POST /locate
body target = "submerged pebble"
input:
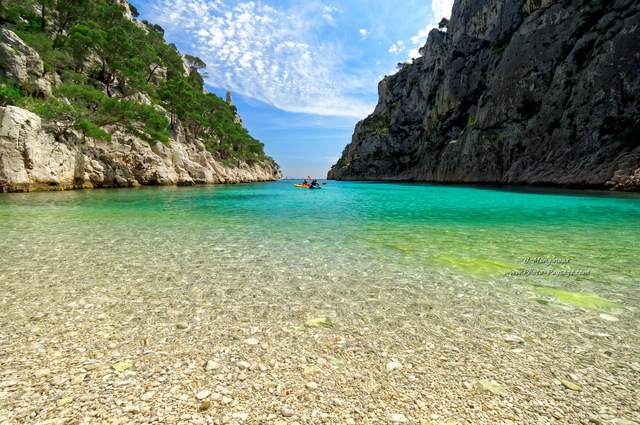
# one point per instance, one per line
(203, 394)
(198, 319)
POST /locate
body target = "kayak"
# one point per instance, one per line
(300, 185)
(315, 187)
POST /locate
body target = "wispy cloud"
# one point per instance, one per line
(397, 47)
(329, 12)
(273, 55)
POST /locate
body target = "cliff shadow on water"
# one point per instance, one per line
(535, 92)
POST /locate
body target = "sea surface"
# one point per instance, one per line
(391, 298)
(348, 238)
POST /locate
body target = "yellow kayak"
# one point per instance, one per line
(300, 185)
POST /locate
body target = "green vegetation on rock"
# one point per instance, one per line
(112, 72)
(10, 93)
(377, 124)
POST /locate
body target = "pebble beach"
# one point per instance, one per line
(187, 354)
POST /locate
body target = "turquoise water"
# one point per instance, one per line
(289, 236)
(333, 286)
(349, 237)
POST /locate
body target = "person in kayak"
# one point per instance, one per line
(304, 181)
(314, 185)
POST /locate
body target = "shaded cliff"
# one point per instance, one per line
(90, 97)
(514, 92)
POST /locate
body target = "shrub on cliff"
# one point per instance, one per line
(104, 60)
(87, 110)
(10, 93)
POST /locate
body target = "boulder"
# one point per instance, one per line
(22, 65)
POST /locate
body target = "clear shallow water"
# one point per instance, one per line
(348, 238)
(432, 277)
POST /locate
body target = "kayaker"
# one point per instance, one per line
(314, 185)
(304, 181)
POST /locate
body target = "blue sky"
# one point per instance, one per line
(302, 73)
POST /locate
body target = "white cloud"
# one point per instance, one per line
(441, 9)
(397, 47)
(363, 34)
(275, 56)
(328, 14)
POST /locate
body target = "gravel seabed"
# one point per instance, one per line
(152, 351)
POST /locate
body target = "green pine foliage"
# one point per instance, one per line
(101, 59)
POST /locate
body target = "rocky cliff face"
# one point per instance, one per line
(31, 159)
(515, 92)
(20, 64)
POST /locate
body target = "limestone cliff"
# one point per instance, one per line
(32, 159)
(22, 65)
(36, 155)
(514, 92)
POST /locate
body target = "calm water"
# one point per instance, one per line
(433, 277)
(349, 238)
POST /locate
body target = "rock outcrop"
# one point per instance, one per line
(20, 64)
(515, 92)
(236, 117)
(31, 159)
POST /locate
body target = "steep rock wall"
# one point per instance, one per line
(515, 92)
(32, 159)
(22, 65)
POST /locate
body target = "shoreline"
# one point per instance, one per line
(57, 187)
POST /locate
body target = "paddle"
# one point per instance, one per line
(309, 177)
